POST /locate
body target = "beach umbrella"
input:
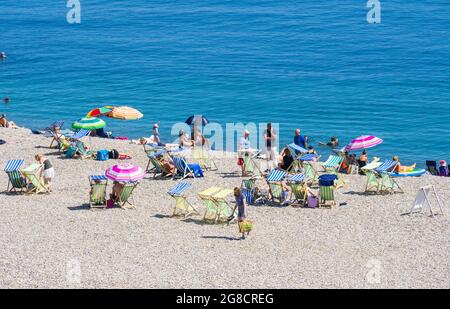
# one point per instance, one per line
(89, 124)
(124, 172)
(99, 111)
(196, 119)
(125, 113)
(363, 142)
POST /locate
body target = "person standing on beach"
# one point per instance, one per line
(243, 151)
(156, 136)
(49, 171)
(241, 206)
(269, 138)
(3, 56)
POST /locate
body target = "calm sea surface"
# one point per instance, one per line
(317, 65)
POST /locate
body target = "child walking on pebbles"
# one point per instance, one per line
(49, 171)
(241, 205)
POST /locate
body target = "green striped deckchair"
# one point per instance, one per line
(97, 194)
(32, 173)
(274, 180)
(202, 156)
(15, 178)
(224, 209)
(206, 196)
(327, 197)
(125, 198)
(372, 182)
(298, 193)
(251, 168)
(311, 175)
(332, 164)
(182, 206)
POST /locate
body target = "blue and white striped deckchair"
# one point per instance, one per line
(97, 194)
(274, 180)
(296, 152)
(387, 183)
(80, 134)
(297, 149)
(308, 157)
(296, 183)
(183, 169)
(15, 178)
(249, 195)
(332, 164)
(182, 206)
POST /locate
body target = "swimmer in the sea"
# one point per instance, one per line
(3, 56)
(6, 100)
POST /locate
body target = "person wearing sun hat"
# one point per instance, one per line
(443, 168)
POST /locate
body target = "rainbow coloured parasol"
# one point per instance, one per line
(125, 173)
(363, 142)
(99, 111)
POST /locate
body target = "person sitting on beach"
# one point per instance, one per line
(168, 167)
(198, 139)
(241, 205)
(116, 190)
(183, 139)
(5, 123)
(402, 168)
(363, 159)
(49, 171)
(286, 160)
(300, 140)
(443, 168)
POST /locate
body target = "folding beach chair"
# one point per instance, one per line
(248, 188)
(79, 134)
(15, 178)
(327, 198)
(332, 164)
(296, 152)
(151, 152)
(251, 168)
(183, 169)
(33, 176)
(203, 157)
(84, 153)
(388, 183)
(206, 196)
(97, 194)
(224, 209)
(274, 180)
(298, 193)
(182, 206)
(155, 165)
(432, 167)
(51, 130)
(125, 198)
(311, 175)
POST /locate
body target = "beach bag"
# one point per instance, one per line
(312, 201)
(109, 203)
(245, 226)
(114, 154)
(102, 155)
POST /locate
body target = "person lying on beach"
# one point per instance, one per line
(49, 171)
(241, 205)
(116, 190)
(5, 123)
(402, 168)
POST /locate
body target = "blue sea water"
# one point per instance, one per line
(317, 65)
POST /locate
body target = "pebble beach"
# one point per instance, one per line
(55, 241)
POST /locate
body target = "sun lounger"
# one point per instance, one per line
(97, 194)
(274, 180)
(16, 180)
(297, 184)
(388, 183)
(251, 167)
(182, 206)
(333, 163)
(224, 209)
(296, 152)
(327, 198)
(33, 176)
(183, 169)
(311, 175)
(125, 198)
(206, 196)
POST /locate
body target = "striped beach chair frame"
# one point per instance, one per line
(203, 157)
(16, 180)
(332, 164)
(97, 194)
(298, 195)
(387, 183)
(182, 169)
(327, 197)
(297, 152)
(206, 196)
(33, 176)
(125, 198)
(274, 180)
(182, 207)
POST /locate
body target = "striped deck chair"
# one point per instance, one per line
(298, 193)
(80, 134)
(388, 183)
(51, 130)
(372, 181)
(85, 154)
(249, 190)
(206, 196)
(182, 206)
(203, 157)
(327, 197)
(33, 174)
(332, 164)
(183, 169)
(311, 175)
(274, 180)
(224, 209)
(125, 199)
(155, 165)
(97, 194)
(15, 178)
(251, 167)
(150, 152)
